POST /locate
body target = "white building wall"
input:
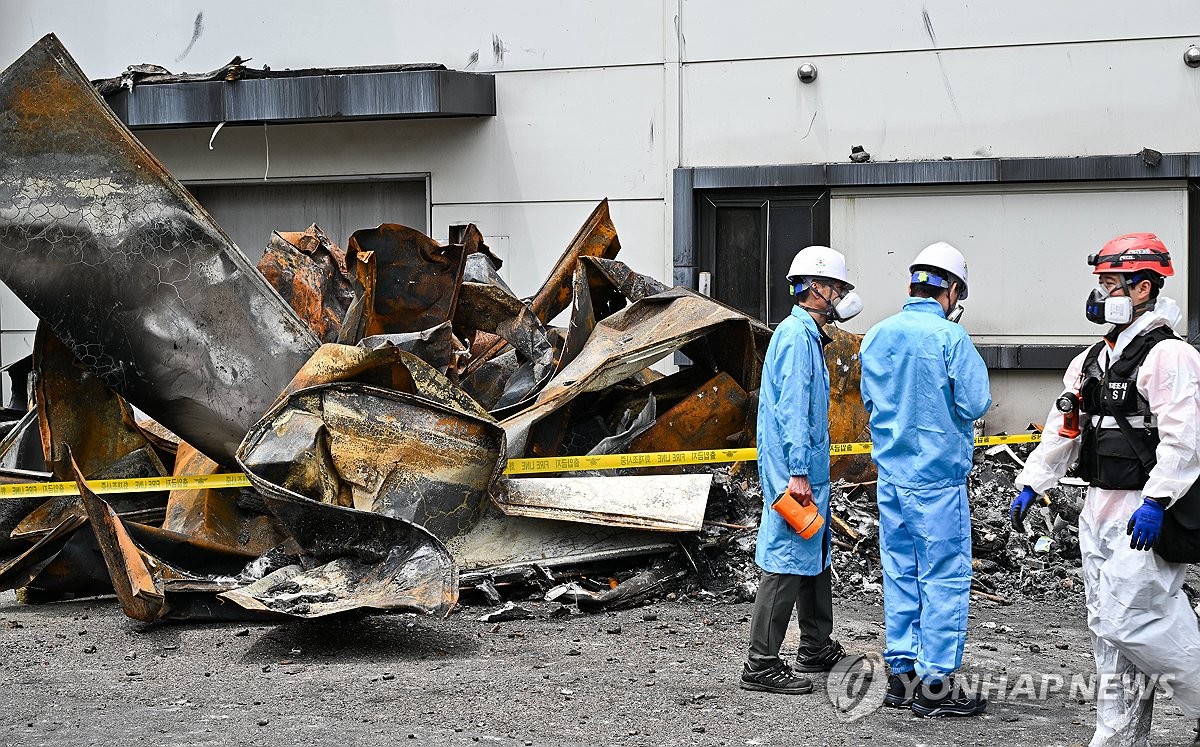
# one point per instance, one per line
(605, 98)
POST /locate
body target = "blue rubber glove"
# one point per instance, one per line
(1145, 525)
(1020, 506)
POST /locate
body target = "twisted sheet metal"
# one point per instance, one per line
(127, 269)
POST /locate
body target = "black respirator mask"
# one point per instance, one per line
(1104, 308)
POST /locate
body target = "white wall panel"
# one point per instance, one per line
(722, 30)
(13, 347)
(15, 315)
(535, 235)
(1068, 100)
(1026, 250)
(1020, 398)
(105, 37)
(562, 135)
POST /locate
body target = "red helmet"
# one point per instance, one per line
(1133, 252)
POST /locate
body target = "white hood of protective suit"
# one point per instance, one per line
(1165, 313)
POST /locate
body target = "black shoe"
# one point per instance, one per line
(901, 689)
(777, 679)
(821, 659)
(947, 698)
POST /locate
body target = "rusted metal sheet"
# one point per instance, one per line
(633, 338)
(214, 516)
(705, 419)
(668, 503)
(438, 346)
(371, 561)
(633, 286)
(385, 365)
(492, 309)
(597, 237)
(77, 410)
(377, 450)
(135, 583)
(848, 419)
(141, 463)
(600, 288)
(404, 281)
(309, 271)
(22, 569)
(127, 268)
(13, 510)
(334, 362)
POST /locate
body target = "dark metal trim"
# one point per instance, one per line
(406, 94)
(1193, 265)
(1029, 357)
(690, 180)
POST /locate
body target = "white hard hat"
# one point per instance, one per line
(819, 262)
(942, 256)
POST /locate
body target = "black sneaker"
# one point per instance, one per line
(777, 679)
(901, 689)
(947, 698)
(819, 660)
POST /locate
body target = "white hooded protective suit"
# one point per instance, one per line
(1138, 614)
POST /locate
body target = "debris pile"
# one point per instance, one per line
(372, 397)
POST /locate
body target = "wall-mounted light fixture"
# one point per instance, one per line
(1192, 56)
(807, 72)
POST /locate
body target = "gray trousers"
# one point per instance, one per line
(778, 594)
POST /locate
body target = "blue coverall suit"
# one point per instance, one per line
(924, 385)
(793, 439)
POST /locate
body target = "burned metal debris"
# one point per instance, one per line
(127, 269)
(375, 460)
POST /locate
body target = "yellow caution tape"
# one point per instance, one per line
(514, 467)
(702, 456)
(618, 461)
(131, 485)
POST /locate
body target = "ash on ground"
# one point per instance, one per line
(1041, 564)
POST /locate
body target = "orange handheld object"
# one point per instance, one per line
(806, 520)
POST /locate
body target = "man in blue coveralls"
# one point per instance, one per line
(793, 457)
(924, 385)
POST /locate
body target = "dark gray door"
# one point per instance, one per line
(250, 212)
(748, 239)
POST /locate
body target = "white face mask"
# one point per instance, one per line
(1105, 308)
(848, 307)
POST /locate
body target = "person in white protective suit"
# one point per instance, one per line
(1137, 442)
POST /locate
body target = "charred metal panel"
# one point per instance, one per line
(215, 515)
(705, 419)
(500, 541)
(127, 268)
(385, 451)
(78, 411)
(404, 282)
(309, 271)
(632, 339)
(669, 503)
(848, 418)
(597, 237)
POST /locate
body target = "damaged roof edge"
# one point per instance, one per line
(405, 94)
